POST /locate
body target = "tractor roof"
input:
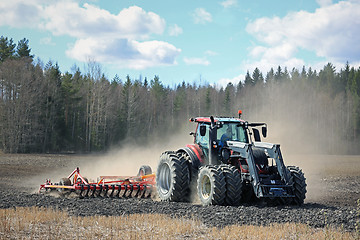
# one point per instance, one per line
(216, 119)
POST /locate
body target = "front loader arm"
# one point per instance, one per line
(274, 152)
(246, 152)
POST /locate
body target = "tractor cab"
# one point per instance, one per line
(212, 136)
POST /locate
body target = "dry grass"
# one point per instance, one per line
(41, 223)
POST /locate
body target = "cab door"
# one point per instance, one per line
(203, 141)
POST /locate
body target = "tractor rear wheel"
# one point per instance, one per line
(211, 185)
(234, 185)
(172, 178)
(299, 187)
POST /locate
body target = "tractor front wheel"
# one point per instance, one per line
(172, 178)
(299, 184)
(234, 185)
(211, 185)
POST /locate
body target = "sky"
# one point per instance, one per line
(201, 41)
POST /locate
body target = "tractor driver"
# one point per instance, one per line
(225, 137)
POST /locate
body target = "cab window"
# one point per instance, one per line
(233, 132)
(202, 140)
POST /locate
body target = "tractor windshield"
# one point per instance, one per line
(232, 132)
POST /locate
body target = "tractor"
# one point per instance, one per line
(228, 164)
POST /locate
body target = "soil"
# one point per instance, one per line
(333, 190)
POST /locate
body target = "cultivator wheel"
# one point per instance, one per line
(211, 185)
(64, 182)
(144, 170)
(299, 186)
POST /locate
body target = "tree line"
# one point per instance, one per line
(43, 109)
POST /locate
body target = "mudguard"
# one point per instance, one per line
(196, 155)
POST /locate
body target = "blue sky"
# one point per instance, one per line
(215, 41)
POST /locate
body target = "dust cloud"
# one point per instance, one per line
(303, 120)
(119, 161)
(311, 129)
(127, 160)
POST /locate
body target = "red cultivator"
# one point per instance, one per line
(107, 186)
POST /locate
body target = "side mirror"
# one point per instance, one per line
(202, 130)
(264, 131)
(192, 134)
(256, 135)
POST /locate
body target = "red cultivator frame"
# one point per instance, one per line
(108, 186)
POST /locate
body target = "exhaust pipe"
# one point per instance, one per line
(212, 142)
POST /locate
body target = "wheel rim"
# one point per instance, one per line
(61, 183)
(205, 187)
(165, 178)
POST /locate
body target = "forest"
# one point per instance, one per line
(46, 110)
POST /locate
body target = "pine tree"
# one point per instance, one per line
(278, 75)
(303, 74)
(257, 77)
(270, 76)
(248, 80)
(7, 48)
(22, 49)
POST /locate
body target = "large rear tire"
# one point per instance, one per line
(299, 185)
(234, 185)
(211, 186)
(172, 178)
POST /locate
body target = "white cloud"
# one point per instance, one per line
(223, 82)
(70, 19)
(257, 51)
(109, 38)
(324, 3)
(266, 64)
(125, 53)
(175, 30)
(211, 53)
(196, 61)
(229, 3)
(100, 35)
(18, 13)
(332, 32)
(200, 60)
(47, 41)
(201, 16)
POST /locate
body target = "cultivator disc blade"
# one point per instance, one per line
(116, 190)
(140, 186)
